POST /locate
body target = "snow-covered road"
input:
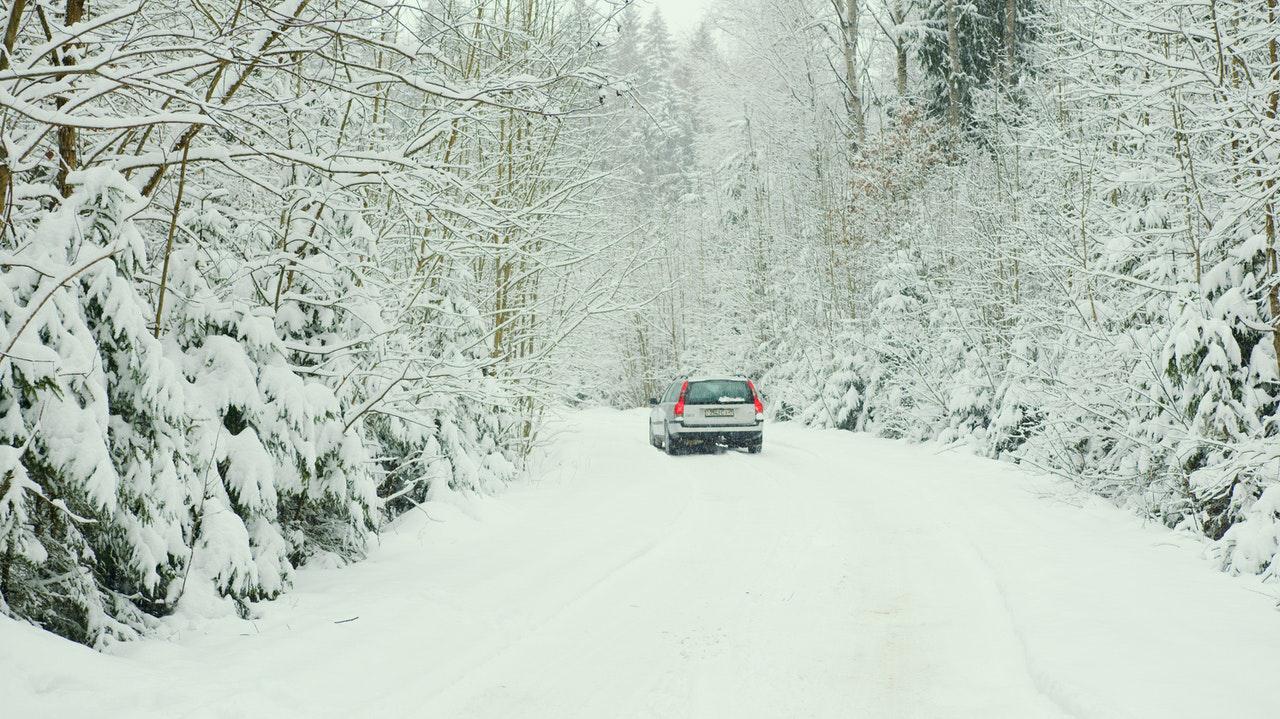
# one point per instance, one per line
(836, 575)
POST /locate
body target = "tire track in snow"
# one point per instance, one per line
(530, 632)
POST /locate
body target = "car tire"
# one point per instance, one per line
(670, 444)
(755, 447)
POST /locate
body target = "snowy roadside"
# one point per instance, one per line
(1116, 618)
(43, 675)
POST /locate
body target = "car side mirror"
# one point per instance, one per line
(653, 402)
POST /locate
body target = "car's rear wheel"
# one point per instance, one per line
(756, 447)
(670, 445)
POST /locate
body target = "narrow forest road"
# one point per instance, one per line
(835, 575)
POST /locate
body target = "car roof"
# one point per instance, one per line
(711, 377)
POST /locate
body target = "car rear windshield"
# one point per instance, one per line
(718, 391)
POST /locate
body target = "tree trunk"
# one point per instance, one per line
(11, 31)
(66, 134)
(1273, 112)
(10, 39)
(900, 47)
(953, 56)
(1010, 42)
(848, 10)
(168, 243)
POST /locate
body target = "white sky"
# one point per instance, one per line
(681, 15)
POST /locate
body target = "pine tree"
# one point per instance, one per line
(92, 521)
(983, 39)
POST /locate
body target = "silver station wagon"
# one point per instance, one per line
(705, 412)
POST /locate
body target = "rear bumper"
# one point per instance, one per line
(739, 435)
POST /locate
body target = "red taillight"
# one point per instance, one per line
(680, 402)
(755, 397)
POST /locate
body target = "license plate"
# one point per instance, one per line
(719, 413)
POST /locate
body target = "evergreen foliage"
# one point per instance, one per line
(271, 276)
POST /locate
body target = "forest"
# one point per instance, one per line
(273, 274)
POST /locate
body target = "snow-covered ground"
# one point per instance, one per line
(836, 575)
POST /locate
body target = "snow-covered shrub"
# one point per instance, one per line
(272, 443)
(449, 425)
(93, 517)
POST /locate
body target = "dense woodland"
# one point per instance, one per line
(274, 274)
(1043, 230)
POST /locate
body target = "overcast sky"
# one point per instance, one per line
(681, 15)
